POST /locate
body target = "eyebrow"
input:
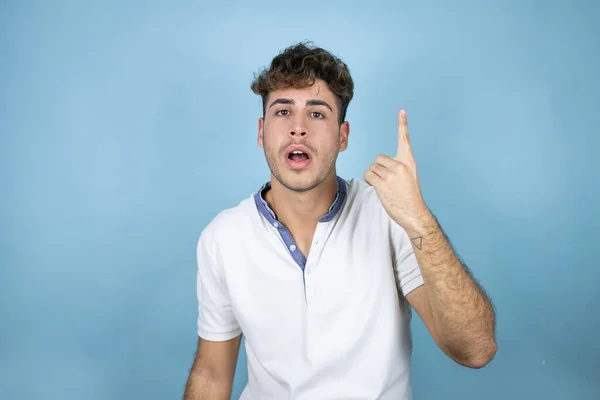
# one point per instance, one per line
(312, 102)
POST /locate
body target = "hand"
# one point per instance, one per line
(396, 182)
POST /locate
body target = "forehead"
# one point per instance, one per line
(318, 90)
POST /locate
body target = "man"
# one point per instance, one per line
(319, 273)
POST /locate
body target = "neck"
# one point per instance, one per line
(302, 209)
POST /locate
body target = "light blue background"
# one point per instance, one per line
(125, 127)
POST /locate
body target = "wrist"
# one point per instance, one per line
(423, 225)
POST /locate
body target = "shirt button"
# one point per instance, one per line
(293, 247)
(275, 224)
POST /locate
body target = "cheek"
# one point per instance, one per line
(271, 138)
(331, 139)
(277, 128)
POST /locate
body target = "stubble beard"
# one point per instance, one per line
(298, 181)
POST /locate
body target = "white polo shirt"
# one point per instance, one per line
(332, 326)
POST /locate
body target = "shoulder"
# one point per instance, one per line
(362, 197)
(365, 203)
(229, 222)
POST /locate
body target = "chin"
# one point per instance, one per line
(299, 181)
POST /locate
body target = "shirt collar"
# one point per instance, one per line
(266, 211)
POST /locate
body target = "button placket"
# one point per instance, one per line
(308, 286)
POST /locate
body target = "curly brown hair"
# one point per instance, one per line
(299, 66)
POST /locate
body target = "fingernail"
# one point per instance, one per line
(403, 113)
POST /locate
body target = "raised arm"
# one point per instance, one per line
(454, 308)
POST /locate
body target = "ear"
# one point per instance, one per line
(261, 125)
(344, 133)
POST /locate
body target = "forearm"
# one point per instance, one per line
(463, 315)
(201, 387)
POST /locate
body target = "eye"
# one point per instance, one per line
(316, 114)
(281, 111)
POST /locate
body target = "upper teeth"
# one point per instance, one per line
(297, 152)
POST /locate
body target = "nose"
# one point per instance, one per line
(298, 127)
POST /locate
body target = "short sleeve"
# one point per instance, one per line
(406, 268)
(216, 321)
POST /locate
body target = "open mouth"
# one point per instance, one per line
(298, 157)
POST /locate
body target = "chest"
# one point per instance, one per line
(281, 304)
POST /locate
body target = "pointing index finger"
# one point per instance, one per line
(404, 152)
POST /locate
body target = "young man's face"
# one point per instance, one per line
(301, 136)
